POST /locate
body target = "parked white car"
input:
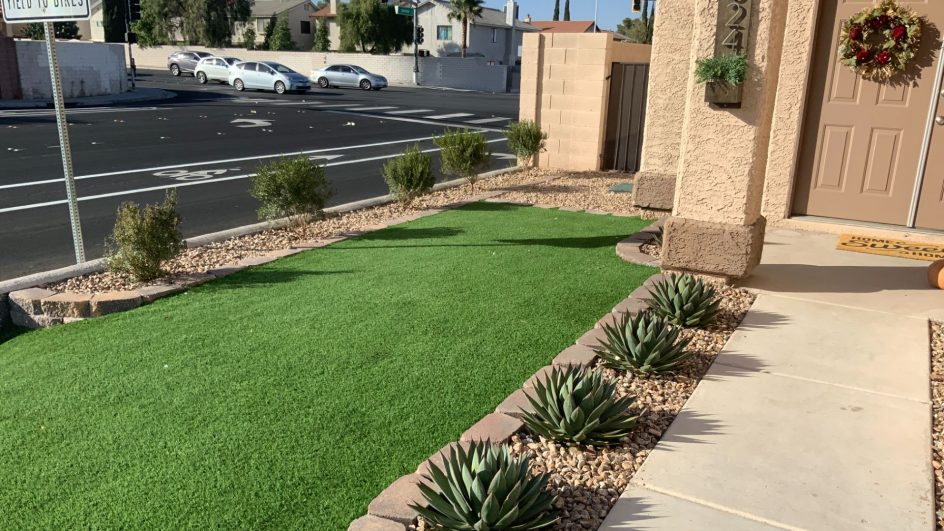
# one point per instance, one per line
(215, 68)
(267, 75)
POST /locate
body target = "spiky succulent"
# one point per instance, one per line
(658, 235)
(645, 343)
(486, 488)
(573, 405)
(685, 301)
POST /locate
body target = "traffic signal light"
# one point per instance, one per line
(134, 10)
(419, 34)
(637, 6)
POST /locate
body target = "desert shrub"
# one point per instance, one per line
(573, 405)
(463, 153)
(409, 175)
(291, 187)
(486, 487)
(526, 139)
(144, 237)
(685, 300)
(645, 343)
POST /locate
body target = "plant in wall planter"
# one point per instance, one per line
(724, 77)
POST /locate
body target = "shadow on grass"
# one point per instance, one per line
(591, 242)
(9, 333)
(408, 233)
(262, 277)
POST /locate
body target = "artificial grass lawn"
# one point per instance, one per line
(288, 396)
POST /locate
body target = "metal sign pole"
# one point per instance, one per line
(416, 46)
(64, 141)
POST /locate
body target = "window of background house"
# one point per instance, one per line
(494, 34)
(443, 33)
(306, 27)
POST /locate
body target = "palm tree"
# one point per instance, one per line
(465, 11)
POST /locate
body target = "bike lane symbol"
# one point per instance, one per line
(187, 175)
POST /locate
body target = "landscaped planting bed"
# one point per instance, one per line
(289, 395)
(937, 401)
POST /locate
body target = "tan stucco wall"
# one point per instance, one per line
(564, 88)
(669, 80)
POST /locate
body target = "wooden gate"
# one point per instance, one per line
(625, 117)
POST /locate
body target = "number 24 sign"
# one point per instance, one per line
(734, 19)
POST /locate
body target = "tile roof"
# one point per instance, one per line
(563, 26)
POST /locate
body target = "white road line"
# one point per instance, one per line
(449, 116)
(216, 162)
(411, 111)
(197, 183)
(298, 103)
(81, 110)
(371, 108)
(488, 120)
(333, 105)
(481, 128)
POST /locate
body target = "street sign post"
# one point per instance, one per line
(405, 11)
(47, 12)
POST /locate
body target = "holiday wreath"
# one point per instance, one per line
(880, 41)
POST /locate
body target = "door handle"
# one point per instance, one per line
(939, 120)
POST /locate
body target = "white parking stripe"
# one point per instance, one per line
(411, 111)
(488, 120)
(197, 183)
(449, 116)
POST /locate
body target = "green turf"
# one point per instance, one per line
(289, 395)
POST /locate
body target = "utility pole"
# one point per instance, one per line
(130, 36)
(416, 44)
(596, 10)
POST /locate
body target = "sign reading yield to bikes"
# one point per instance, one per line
(20, 11)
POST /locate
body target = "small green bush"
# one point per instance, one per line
(463, 153)
(728, 69)
(526, 139)
(486, 488)
(685, 301)
(291, 187)
(573, 405)
(410, 175)
(143, 238)
(249, 38)
(645, 344)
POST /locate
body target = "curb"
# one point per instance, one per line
(630, 249)
(151, 95)
(150, 293)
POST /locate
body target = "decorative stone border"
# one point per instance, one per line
(390, 510)
(630, 249)
(24, 304)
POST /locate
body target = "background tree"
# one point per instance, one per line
(249, 38)
(556, 10)
(269, 29)
(281, 39)
(113, 20)
(160, 22)
(639, 30)
(369, 26)
(62, 30)
(322, 39)
(566, 9)
(465, 11)
(213, 22)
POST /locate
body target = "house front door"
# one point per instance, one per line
(864, 151)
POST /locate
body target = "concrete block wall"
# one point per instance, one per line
(450, 72)
(87, 68)
(9, 72)
(565, 88)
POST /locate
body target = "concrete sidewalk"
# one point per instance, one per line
(817, 413)
(139, 95)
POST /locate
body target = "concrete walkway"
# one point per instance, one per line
(817, 413)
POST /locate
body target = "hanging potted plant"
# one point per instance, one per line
(724, 77)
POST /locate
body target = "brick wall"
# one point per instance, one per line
(88, 69)
(9, 72)
(450, 72)
(565, 87)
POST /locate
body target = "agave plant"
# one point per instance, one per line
(486, 488)
(685, 301)
(574, 405)
(645, 343)
(658, 235)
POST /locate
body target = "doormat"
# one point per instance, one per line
(889, 247)
(622, 188)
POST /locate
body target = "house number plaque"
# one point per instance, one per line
(731, 37)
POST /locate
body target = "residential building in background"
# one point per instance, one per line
(490, 36)
(298, 13)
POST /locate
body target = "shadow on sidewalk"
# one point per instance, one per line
(806, 278)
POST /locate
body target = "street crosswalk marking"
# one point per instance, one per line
(411, 111)
(449, 116)
(488, 120)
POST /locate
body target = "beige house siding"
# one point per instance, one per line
(295, 15)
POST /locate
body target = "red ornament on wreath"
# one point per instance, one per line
(881, 41)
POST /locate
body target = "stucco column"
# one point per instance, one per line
(670, 71)
(716, 227)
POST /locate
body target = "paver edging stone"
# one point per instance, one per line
(630, 249)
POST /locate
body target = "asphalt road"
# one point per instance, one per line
(206, 143)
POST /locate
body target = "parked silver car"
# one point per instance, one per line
(267, 75)
(184, 62)
(214, 68)
(348, 76)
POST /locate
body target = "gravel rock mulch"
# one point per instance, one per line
(652, 249)
(586, 191)
(589, 480)
(937, 407)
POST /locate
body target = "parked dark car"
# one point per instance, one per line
(184, 62)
